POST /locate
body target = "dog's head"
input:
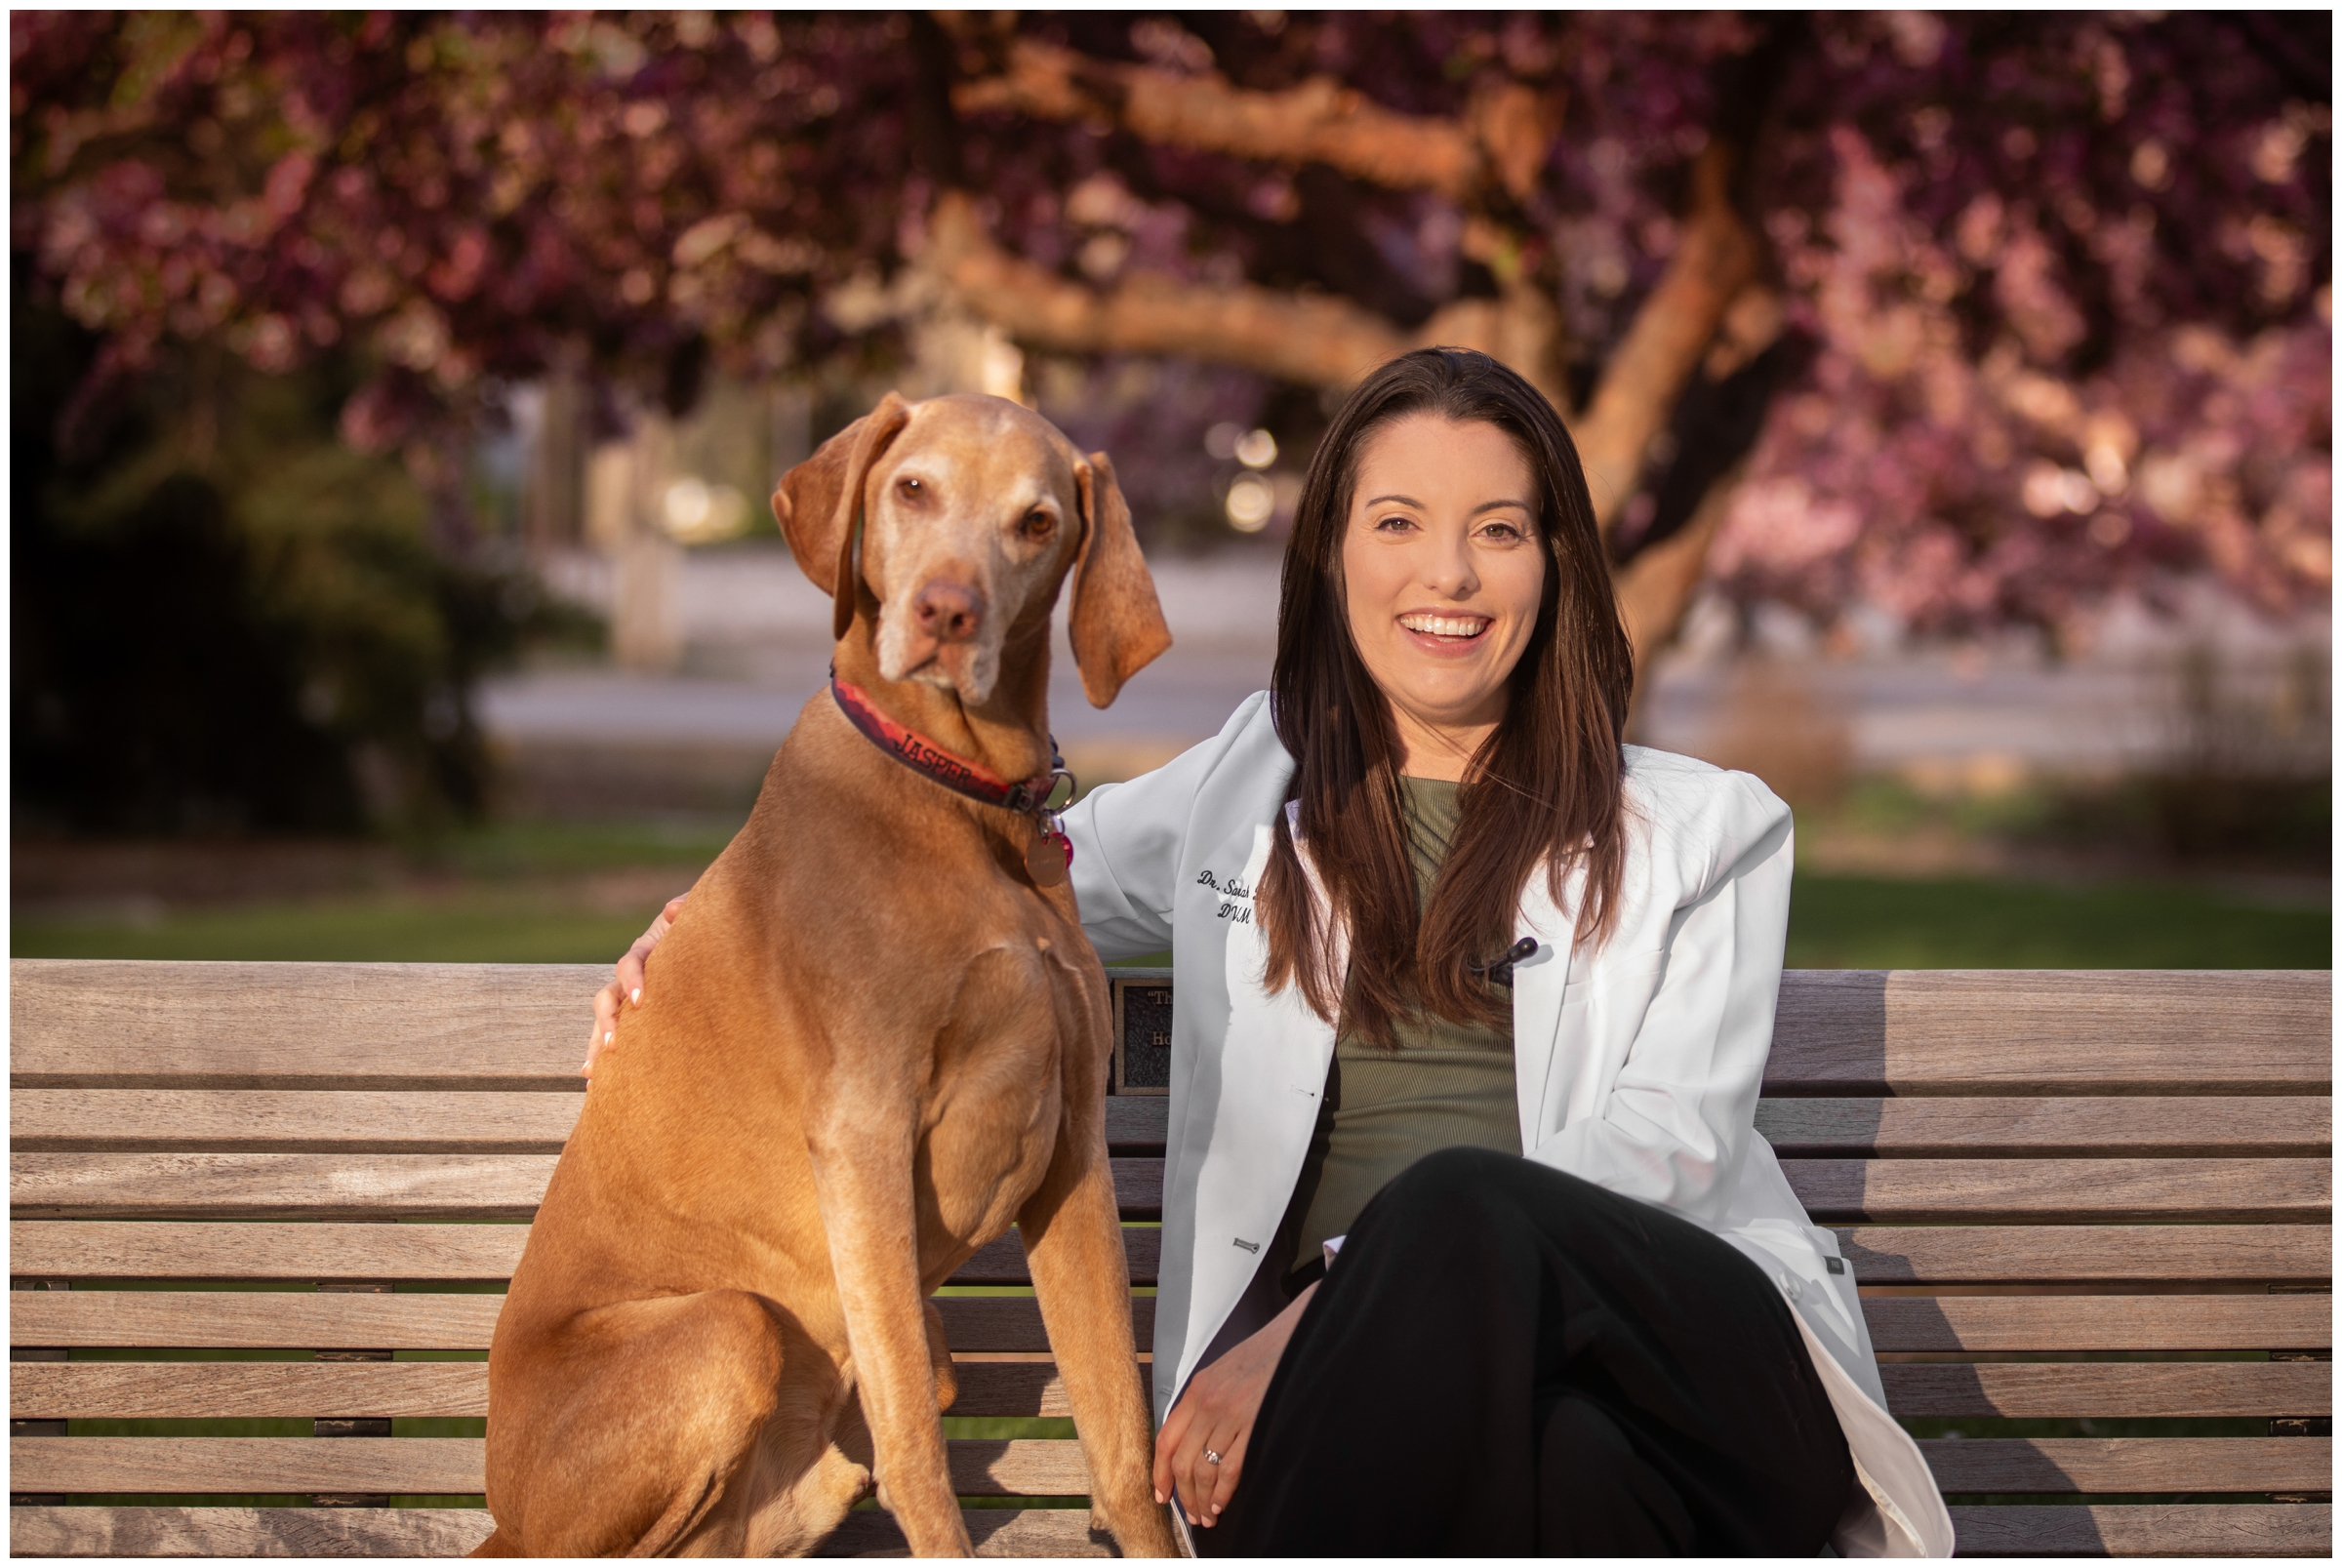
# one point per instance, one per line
(951, 524)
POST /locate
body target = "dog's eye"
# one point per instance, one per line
(1037, 524)
(913, 490)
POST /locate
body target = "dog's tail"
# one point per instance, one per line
(497, 1545)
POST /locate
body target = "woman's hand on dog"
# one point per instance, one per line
(626, 985)
(1217, 1413)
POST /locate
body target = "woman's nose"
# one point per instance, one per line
(1448, 569)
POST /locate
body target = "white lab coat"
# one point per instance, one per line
(1637, 1065)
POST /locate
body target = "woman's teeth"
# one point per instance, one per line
(1443, 625)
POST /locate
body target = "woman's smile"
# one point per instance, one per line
(1444, 635)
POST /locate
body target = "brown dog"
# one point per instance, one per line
(874, 1042)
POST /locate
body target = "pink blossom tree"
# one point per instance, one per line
(1977, 318)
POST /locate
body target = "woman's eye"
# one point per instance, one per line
(1395, 524)
(1504, 533)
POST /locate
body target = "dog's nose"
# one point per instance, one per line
(946, 611)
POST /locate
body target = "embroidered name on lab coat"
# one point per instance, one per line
(1235, 897)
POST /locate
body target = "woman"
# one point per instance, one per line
(1469, 1242)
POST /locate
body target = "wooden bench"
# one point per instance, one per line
(2070, 1196)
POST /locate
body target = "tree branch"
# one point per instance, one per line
(1715, 258)
(1320, 121)
(1316, 339)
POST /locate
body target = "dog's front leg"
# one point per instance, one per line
(1073, 1240)
(861, 1165)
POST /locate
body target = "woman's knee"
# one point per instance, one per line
(1457, 1194)
(1468, 1177)
(1443, 1186)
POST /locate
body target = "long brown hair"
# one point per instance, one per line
(1545, 786)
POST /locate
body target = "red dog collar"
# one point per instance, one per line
(961, 776)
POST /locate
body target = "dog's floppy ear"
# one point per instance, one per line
(1118, 623)
(818, 499)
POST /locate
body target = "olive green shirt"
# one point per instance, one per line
(1448, 1084)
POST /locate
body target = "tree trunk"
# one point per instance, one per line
(1714, 260)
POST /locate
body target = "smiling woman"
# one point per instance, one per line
(1447, 616)
(1470, 1244)
(1442, 573)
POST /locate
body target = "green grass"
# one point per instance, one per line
(481, 925)
(1848, 922)
(503, 850)
(517, 914)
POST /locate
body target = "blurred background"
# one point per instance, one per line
(396, 397)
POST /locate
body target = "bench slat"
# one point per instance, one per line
(93, 1024)
(2218, 1530)
(996, 1323)
(97, 1023)
(404, 1465)
(209, 1390)
(1978, 1324)
(161, 1249)
(342, 1187)
(413, 1321)
(1991, 1254)
(362, 1121)
(1020, 1388)
(2058, 1032)
(1001, 1262)
(490, 1122)
(1055, 1467)
(291, 1121)
(2062, 1192)
(509, 1186)
(436, 1466)
(252, 1320)
(2190, 1465)
(994, 1533)
(204, 1390)
(86, 1532)
(2132, 1391)
(2145, 1530)
(196, 1390)
(2003, 1324)
(2135, 1126)
(95, 1249)
(326, 1186)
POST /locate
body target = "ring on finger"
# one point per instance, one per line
(1211, 1456)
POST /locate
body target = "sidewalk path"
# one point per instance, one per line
(758, 648)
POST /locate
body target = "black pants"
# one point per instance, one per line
(1508, 1362)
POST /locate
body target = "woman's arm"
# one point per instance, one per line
(1215, 1414)
(1680, 1113)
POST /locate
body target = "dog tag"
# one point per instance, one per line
(1046, 859)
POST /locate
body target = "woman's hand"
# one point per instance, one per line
(1216, 1413)
(626, 985)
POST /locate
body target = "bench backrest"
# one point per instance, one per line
(2093, 1198)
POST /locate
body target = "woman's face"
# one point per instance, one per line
(1443, 570)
